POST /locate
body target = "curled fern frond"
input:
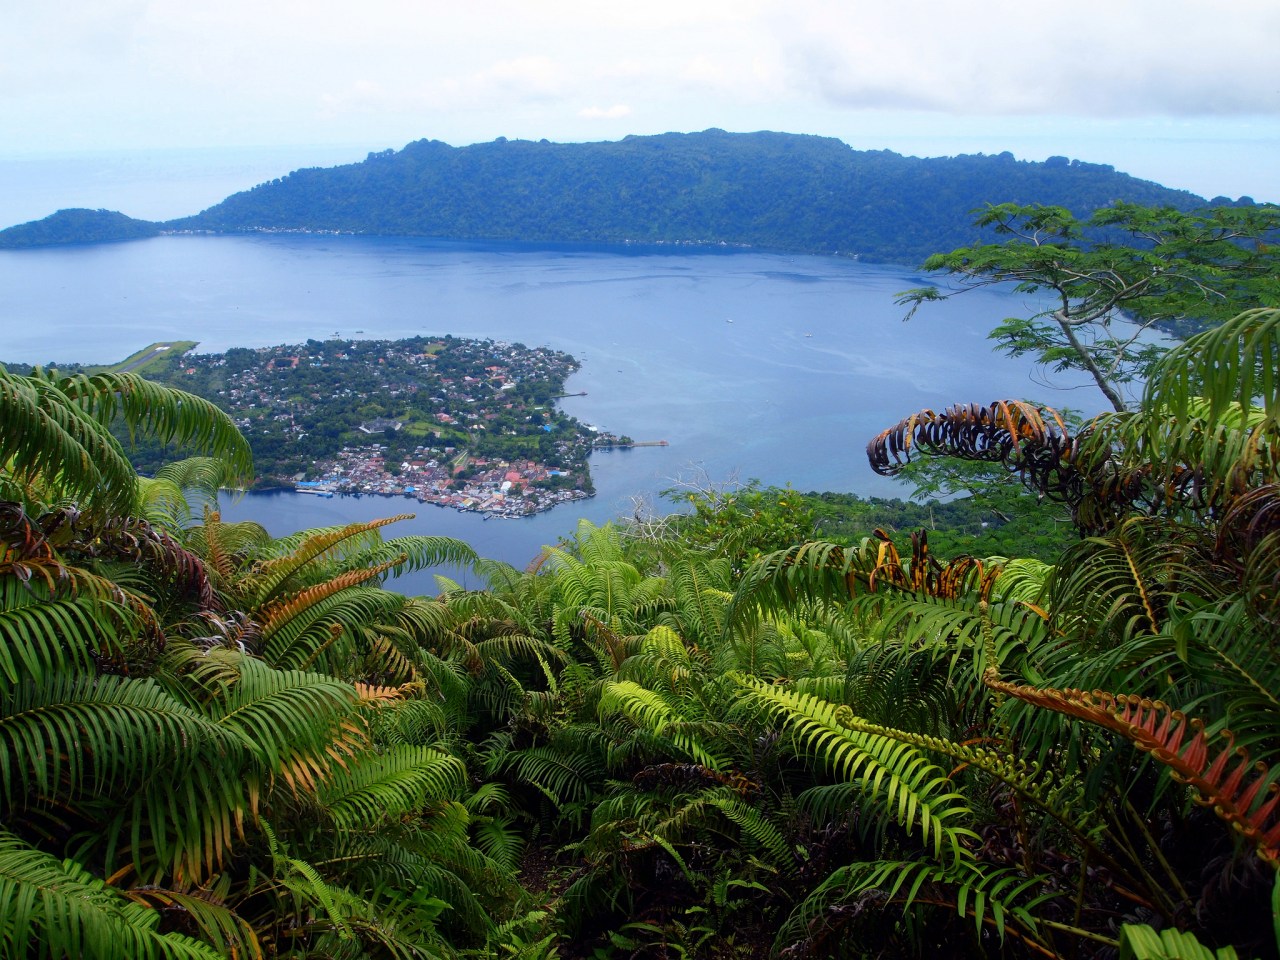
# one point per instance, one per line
(1026, 439)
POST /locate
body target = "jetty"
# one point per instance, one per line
(634, 443)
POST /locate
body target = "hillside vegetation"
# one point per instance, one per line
(77, 226)
(772, 190)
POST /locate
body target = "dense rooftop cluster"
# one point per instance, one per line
(510, 489)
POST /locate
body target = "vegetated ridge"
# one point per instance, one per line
(77, 226)
(773, 190)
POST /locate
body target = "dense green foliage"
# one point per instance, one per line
(992, 516)
(716, 735)
(773, 190)
(77, 226)
(659, 742)
(1019, 524)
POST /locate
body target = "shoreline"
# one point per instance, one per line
(495, 506)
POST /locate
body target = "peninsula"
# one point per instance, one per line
(460, 423)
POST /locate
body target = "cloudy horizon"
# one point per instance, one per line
(1169, 91)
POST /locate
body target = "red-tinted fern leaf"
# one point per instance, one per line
(273, 576)
(218, 557)
(1239, 791)
(1249, 543)
(1248, 520)
(25, 552)
(136, 541)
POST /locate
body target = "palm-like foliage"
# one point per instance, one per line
(213, 740)
(58, 909)
(55, 442)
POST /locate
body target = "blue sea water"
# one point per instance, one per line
(750, 364)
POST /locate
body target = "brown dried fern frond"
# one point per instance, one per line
(280, 612)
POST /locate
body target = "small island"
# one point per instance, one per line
(77, 226)
(460, 423)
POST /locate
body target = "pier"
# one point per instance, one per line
(633, 443)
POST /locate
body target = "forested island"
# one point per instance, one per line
(770, 190)
(77, 226)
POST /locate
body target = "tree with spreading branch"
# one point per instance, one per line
(1112, 281)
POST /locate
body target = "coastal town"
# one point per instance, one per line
(506, 489)
(463, 424)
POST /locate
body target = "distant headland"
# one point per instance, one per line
(776, 191)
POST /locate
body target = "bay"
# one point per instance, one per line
(750, 364)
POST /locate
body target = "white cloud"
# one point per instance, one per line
(149, 73)
(1087, 58)
(503, 84)
(615, 112)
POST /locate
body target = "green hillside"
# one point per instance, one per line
(773, 190)
(77, 226)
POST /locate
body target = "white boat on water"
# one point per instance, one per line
(314, 490)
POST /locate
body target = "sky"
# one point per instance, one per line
(1183, 92)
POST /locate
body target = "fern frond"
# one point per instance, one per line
(56, 448)
(274, 576)
(414, 553)
(168, 415)
(229, 934)
(897, 776)
(288, 717)
(279, 612)
(562, 776)
(1140, 942)
(74, 736)
(321, 630)
(1241, 792)
(655, 714)
(1003, 899)
(500, 840)
(51, 638)
(51, 908)
(756, 826)
(376, 787)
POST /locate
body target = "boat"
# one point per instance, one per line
(314, 488)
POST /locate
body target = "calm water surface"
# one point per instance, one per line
(750, 364)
